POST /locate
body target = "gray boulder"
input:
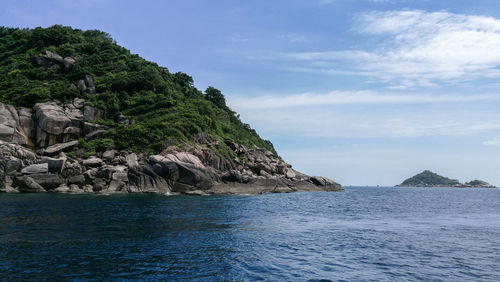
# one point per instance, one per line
(92, 162)
(36, 168)
(109, 155)
(68, 63)
(94, 134)
(329, 184)
(48, 181)
(144, 179)
(26, 126)
(27, 184)
(77, 179)
(58, 148)
(16, 151)
(10, 129)
(89, 83)
(92, 113)
(12, 165)
(55, 165)
(182, 176)
(50, 58)
(51, 122)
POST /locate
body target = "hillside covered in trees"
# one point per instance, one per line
(165, 107)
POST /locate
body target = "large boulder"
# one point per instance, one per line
(54, 165)
(26, 126)
(16, 151)
(58, 148)
(10, 128)
(92, 113)
(51, 123)
(182, 176)
(327, 183)
(47, 180)
(50, 58)
(144, 179)
(12, 165)
(27, 184)
(92, 162)
(36, 168)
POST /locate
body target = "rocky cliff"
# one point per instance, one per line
(81, 114)
(40, 152)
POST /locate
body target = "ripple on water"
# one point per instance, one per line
(359, 234)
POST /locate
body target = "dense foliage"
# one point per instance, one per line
(428, 178)
(166, 107)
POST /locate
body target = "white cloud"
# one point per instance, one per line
(417, 48)
(352, 97)
(495, 141)
(368, 122)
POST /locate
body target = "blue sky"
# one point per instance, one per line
(365, 92)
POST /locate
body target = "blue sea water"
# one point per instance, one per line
(359, 234)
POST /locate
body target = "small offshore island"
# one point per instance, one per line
(81, 114)
(430, 179)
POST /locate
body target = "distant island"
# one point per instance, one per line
(428, 178)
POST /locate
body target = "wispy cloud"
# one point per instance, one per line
(416, 48)
(368, 122)
(495, 141)
(352, 97)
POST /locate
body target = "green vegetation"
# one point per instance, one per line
(166, 107)
(476, 183)
(428, 178)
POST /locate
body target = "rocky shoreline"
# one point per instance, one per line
(40, 152)
(173, 171)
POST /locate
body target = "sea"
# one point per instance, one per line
(360, 234)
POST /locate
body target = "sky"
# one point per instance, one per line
(366, 92)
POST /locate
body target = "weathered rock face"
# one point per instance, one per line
(36, 168)
(57, 123)
(26, 184)
(49, 58)
(195, 168)
(17, 151)
(15, 126)
(174, 172)
(51, 123)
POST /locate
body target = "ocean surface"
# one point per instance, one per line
(360, 234)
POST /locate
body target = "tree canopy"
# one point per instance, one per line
(166, 106)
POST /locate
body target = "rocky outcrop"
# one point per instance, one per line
(50, 123)
(177, 170)
(16, 126)
(50, 58)
(86, 84)
(57, 123)
(196, 168)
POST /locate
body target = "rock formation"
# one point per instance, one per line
(51, 123)
(50, 58)
(192, 168)
(39, 152)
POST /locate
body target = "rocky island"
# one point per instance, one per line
(430, 179)
(80, 114)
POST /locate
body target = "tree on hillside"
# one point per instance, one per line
(214, 95)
